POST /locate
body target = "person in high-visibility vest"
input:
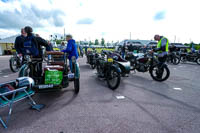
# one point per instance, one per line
(162, 47)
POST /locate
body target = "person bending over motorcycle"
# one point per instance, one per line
(162, 48)
(71, 50)
(33, 46)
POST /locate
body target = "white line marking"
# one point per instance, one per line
(179, 89)
(5, 76)
(120, 97)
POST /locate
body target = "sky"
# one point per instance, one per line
(114, 20)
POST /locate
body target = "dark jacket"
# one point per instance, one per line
(71, 49)
(39, 43)
(19, 41)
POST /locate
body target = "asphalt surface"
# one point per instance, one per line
(148, 106)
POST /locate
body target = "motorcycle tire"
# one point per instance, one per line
(198, 60)
(76, 80)
(176, 60)
(155, 77)
(13, 68)
(183, 59)
(76, 85)
(110, 77)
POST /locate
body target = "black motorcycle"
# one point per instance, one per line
(149, 63)
(123, 64)
(173, 58)
(190, 57)
(108, 70)
(91, 58)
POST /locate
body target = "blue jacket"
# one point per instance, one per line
(71, 49)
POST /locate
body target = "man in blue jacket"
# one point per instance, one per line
(71, 49)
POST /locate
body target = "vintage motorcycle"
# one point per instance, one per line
(91, 58)
(149, 63)
(173, 58)
(195, 57)
(123, 64)
(109, 70)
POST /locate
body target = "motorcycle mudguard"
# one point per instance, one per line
(22, 70)
(77, 73)
(117, 68)
(126, 66)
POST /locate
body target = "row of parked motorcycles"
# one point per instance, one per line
(111, 66)
(178, 57)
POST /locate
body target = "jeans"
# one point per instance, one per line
(123, 55)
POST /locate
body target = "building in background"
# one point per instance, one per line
(7, 45)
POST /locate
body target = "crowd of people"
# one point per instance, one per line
(31, 44)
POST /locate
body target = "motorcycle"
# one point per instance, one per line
(123, 64)
(149, 63)
(108, 69)
(173, 58)
(91, 58)
(190, 57)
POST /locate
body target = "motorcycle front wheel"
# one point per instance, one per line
(176, 60)
(198, 61)
(113, 79)
(14, 65)
(159, 74)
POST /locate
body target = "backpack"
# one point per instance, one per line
(30, 47)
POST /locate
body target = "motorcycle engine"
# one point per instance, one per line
(141, 67)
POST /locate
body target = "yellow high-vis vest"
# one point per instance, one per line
(166, 47)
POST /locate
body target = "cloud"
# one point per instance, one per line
(85, 21)
(33, 16)
(4, 1)
(160, 15)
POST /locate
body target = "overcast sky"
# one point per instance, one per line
(111, 19)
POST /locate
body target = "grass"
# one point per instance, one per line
(100, 49)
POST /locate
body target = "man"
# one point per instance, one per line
(50, 46)
(71, 50)
(123, 50)
(62, 46)
(162, 48)
(19, 41)
(33, 46)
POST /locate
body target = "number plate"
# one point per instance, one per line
(45, 86)
(110, 60)
(71, 75)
